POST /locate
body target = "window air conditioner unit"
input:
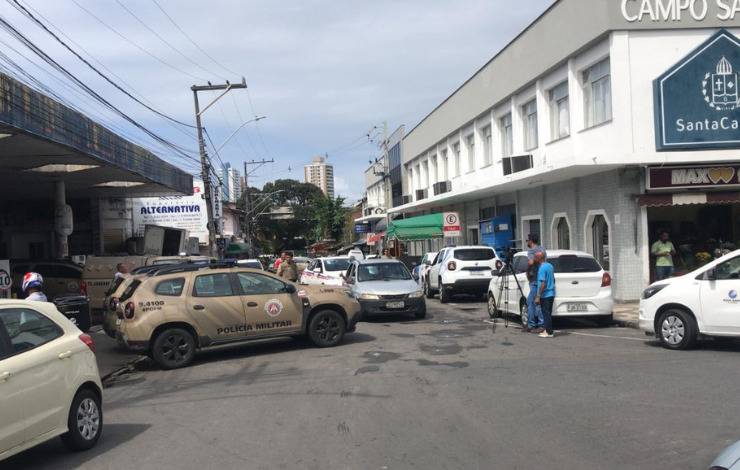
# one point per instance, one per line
(442, 187)
(421, 194)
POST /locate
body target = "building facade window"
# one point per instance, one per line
(470, 147)
(456, 157)
(417, 176)
(394, 161)
(561, 237)
(597, 93)
(507, 136)
(410, 172)
(425, 174)
(559, 111)
(487, 146)
(596, 230)
(529, 111)
(433, 169)
(443, 166)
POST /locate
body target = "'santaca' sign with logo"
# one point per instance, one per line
(697, 103)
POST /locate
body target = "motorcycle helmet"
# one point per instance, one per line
(31, 280)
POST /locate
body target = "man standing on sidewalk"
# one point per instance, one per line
(545, 292)
(663, 251)
(534, 313)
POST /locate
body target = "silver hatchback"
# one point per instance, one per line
(385, 287)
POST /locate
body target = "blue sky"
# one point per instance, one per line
(323, 72)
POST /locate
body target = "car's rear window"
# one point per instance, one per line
(336, 264)
(574, 264)
(130, 290)
(474, 254)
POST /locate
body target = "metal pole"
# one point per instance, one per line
(205, 172)
(247, 204)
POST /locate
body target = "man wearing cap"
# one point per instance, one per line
(535, 322)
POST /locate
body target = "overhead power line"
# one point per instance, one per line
(142, 49)
(187, 36)
(91, 66)
(166, 42)
(48, 59)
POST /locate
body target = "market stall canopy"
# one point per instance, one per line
(423, 227)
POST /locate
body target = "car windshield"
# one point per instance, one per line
(383, 272)
(474, 254)
(336, 264)
(574, 264)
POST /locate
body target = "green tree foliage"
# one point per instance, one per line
(331, 217)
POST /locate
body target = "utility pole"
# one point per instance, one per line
(205, 165)
(248, 199)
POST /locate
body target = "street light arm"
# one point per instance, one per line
(238, 129)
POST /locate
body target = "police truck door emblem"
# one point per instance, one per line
(723, 86)
(273, 307)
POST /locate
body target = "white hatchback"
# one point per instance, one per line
(326, 271)
(49, 380)
(703, 302)
(582, 287)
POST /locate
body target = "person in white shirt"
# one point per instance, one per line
(32, 285)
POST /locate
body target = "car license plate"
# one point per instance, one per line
(477, 273)
(577, 307)
(394, 305)
(118, 321)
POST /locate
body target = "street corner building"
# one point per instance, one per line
(603, 123)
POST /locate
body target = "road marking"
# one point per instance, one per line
(605, 336)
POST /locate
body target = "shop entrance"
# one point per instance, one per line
(699, 232)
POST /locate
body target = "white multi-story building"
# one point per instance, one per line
(232, 183)
(320, 174)
(601, 124)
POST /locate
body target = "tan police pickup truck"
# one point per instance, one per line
(172, 312)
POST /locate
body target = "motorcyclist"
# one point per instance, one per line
(32, 286)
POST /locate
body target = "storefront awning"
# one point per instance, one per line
(423, 227)
(678, 199)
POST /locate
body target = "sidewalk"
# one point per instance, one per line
(625, 314)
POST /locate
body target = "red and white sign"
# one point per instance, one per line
(451, 225)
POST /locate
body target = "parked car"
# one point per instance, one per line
(325, 271)
(728, 459)
(301, 263)
(250, 263)
(384, 286)
(703, 302)
(49, 380)
(582, 287)
(172, 312)
(60, 277)
(420, 270)
(460, 270)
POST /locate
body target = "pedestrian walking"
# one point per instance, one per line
(288, 269)
(663, 250)
(279, 261)
(535, 323)
(545, 292)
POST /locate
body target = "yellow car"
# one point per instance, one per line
(174, 311)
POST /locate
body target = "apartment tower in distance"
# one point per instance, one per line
(320, 174)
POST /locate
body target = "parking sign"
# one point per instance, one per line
(451, 227)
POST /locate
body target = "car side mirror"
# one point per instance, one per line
(710, 275)
(290, 289)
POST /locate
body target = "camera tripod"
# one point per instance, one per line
(502, 298)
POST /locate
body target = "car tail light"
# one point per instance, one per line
(606, 280)
(452, 266)
(128, 312)
(83, 288)
(87, 339)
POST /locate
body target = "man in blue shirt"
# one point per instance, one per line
(545, 292)
(535, 323)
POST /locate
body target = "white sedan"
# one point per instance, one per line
(705, 301)
(582, 287)
(49, 381)
(325, 271)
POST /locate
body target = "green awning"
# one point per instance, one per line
(423, 227)
(237, 248)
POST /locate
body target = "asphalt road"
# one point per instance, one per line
(450, 391)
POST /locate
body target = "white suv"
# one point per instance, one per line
(460, 270)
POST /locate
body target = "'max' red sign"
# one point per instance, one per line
(693, 177)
